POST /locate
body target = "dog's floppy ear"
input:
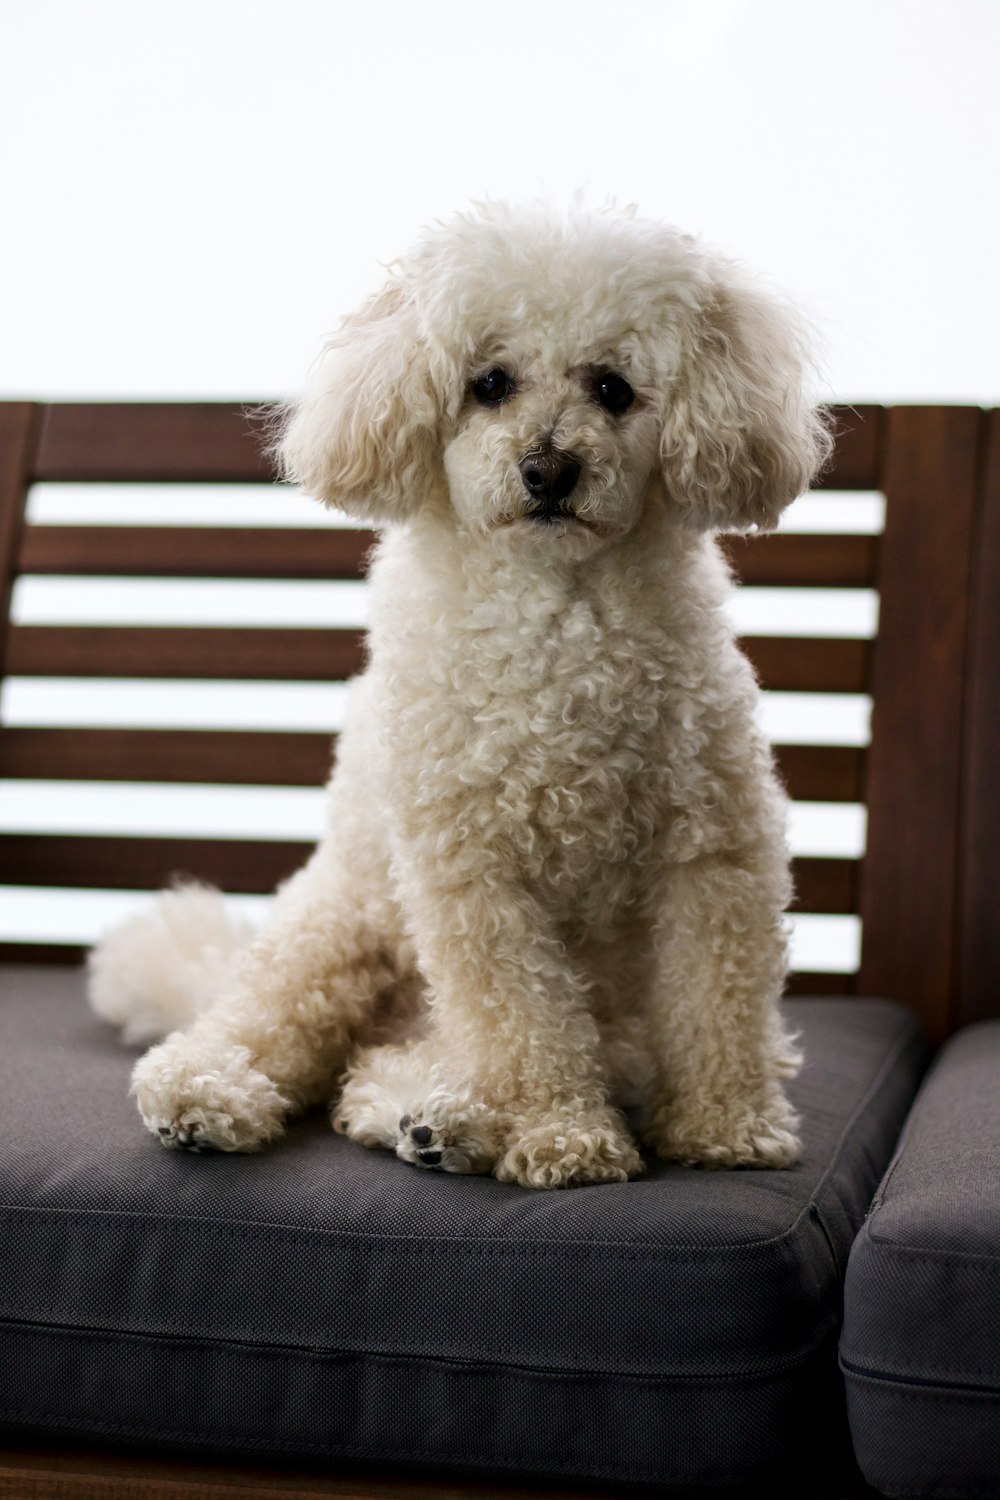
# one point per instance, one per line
(740, 438)
(364, 436)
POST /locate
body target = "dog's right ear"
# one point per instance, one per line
(364, 438)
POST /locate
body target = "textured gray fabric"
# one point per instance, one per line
(921, 1340)
(320, 1298)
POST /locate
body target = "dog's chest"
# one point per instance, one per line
(548, 743)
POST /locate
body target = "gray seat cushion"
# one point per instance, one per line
(921, 1341)
(320, 1299)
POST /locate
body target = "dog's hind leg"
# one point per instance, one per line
(408, 1100)
(278, 1036)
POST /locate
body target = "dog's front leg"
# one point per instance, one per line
(721, 1049)
(506, 996)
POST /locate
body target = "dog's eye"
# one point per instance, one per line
(493, 387)
(613, 392)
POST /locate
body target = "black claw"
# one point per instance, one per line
(430, 1158)
(405, 1122)
(422, 1135)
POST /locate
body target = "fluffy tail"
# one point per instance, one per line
(157, 971)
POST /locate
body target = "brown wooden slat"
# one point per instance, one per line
(208, 442)
(219, 442)
(195, 551)
(809, 664)
(979, 877)
(909, 901)
(819, 773)
(222, 756)
(808, 984)
(857, 460)
(17, 431)
(811, 773)
(91, 862)
(807, 561)
(41, 953)
(826, 885)
(229, 552)
(791, 664)
(151, 651)
(254, 866)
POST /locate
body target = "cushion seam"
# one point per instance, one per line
(916, 1252)
(582, 1249)
(911, 1034)
(318, 1354)
(926, 1388)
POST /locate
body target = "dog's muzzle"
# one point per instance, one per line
(549, 476)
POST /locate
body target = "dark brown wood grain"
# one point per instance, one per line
(801, 983)
(978, 978)
(915, 761)
(257, 865)
(240, 757)
(806, 561)
(807, 664)
(825, 885)
(807, 984)
(813, 773)
(252, 867)
(270, 552)
(226, 442)
(173, 442)
(17, 431)
(821, 773)
(793, 664)
(185, 651)
(196, 551)
(857, 460)
(63, 954)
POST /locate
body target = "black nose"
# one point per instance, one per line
(549, 476)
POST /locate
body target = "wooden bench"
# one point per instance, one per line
(925, 890)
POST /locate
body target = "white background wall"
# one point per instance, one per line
(195, 191)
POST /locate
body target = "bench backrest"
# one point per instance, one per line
(926, 889)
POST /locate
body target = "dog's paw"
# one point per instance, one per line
(762, 1138)
(198, 1099)
(460, 1139)
(562, 1153)
(458, 1142)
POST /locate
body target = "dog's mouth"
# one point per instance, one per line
(548, 515)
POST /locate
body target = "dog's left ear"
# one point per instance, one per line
(364, 438)
(740, 438)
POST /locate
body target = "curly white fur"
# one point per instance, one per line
(555, 872)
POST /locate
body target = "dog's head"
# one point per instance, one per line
(546, 377)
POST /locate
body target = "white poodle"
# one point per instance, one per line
(555, 871)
